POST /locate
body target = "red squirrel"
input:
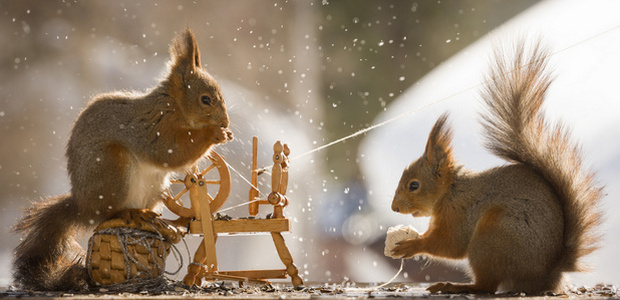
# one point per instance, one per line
(122, 149)
(522, 225)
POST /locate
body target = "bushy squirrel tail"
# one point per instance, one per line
(48, 257)
(517, 131)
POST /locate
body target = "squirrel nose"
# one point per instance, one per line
(394, 208)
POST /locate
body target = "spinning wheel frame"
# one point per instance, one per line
(205, 259)
(218, 163)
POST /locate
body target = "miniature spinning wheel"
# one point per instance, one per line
(203, 178)
(204, 204)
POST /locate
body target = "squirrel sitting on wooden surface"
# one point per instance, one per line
(122, 149)
(522, 225)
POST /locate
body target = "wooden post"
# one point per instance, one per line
(194, 194)
(284, 181)
(287, 259)
(276, 172)
(206, 221)
(193, 270)
(253, 206)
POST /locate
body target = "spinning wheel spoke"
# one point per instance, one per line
(213, 181)
(177, 198)
(175, 204)
(207, 170)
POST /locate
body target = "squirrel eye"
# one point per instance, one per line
(414, 185)
(206, 100)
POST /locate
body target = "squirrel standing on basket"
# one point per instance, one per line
(521, 225)
(122, 149)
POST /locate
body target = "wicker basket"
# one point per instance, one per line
(132, 247)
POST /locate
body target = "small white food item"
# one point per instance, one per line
(396, 234)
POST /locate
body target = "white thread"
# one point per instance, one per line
(237, 206)
(244, 179)
(248, 182)
(412, 111)
(370, 289)
(395, 234)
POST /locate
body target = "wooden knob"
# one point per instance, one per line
(277, 153)
(277, 147)
(274, 198)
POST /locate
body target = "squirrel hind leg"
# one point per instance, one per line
(502, 254)
(535, 285)
(486, 281)
(74, 277)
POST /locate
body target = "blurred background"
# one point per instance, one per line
(304, 72)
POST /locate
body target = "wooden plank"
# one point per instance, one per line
(244, 226)
(254, 274)
(229, 277)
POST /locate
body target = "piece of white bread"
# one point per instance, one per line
(396, 234)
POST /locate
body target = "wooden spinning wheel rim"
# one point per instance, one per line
(215, 202)
(224, 190)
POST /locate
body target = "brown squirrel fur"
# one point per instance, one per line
(122, 149)
(522, 225)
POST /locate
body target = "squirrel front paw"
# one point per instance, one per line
(221, 135)
(405, 249)
(229, 135)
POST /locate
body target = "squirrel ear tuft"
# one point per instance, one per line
(438, 150)
(184, 52)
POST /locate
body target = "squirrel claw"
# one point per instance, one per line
(435, 288)
(405, 249)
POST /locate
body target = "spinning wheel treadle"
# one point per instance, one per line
(205, 261)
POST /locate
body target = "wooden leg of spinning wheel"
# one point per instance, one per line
(200, 267)
(194, 269)
(287, 259)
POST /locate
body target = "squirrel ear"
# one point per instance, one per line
(184, 52)
(438, 151)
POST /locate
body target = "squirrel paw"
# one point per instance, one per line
(453, 288)
(136, 216)
(405, 249)
(229, 135)
(221, 135)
